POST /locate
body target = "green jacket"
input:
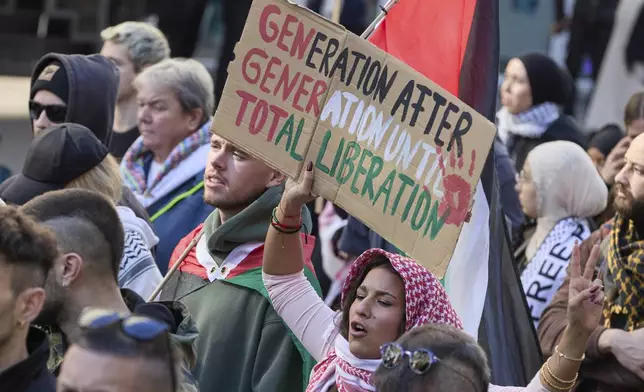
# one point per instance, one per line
(243, 344)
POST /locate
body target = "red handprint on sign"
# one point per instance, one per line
(456, 190)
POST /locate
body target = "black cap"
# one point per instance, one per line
(53, 78)
(57, 156)
(548, 81)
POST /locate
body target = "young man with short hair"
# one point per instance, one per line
(116, 352)
(27, 252)
(90, 238)
(243, 343)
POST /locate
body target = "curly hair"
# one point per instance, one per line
(28, 248)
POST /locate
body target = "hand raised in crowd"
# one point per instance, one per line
(585, 297)
(615, 161)
(298, 194)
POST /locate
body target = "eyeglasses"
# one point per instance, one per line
(55, 113)
(420, 361)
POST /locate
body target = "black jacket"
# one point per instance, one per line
(563, 128)
(30, 375)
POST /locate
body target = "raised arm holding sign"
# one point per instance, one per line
(388, 145)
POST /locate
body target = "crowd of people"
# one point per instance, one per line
(140, 251)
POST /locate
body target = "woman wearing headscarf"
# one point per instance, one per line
(164, 167)
(560, 188)
(383, 296)
(440, 358)
(533, 93)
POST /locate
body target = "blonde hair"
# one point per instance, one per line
(146, 45)
(188, 79)
(104, 179)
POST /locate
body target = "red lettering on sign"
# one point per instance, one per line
(268, 75)
(268, 30)
(246, 97)
(247, 64)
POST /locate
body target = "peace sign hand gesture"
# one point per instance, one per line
(585, 296)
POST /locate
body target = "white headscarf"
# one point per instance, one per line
(568, 185)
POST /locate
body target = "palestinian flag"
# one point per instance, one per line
(243, 268)
(456, 44)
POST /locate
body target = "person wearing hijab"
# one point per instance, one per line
(445, 359)
(561, 189)
(383, 296)
(533, 93)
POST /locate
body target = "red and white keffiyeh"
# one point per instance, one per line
(426, 302)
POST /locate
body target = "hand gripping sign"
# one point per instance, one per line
(389, 146)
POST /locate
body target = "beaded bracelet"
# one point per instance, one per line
(550, 383)
(559, 380)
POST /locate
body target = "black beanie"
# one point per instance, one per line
(548, 81)
(53, 78)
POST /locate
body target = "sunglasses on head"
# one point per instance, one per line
(420, 361)
(55, 113)
(139, 328)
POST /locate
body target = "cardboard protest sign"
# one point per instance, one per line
(389, 146)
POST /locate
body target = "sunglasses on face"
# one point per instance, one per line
(420, 361)
(55, 113)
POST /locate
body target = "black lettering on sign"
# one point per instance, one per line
(367, 64)
(535, 289)
(372, 75)
(463, 126)
(384, 85)
(331, 49)
(404, 99)
(418, 105)
(341, 64)
(547, 268)
(439, 102)
(358, 57)
(315, 49)
(445, 124)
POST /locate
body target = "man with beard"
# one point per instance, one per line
(614, 358)
(90, 240)
(243, 344)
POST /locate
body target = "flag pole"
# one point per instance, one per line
(176, 265)
(337, 11)
(381, 16)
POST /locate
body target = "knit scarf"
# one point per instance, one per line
(425, 302)
(531, 123)
(135, 158)
(626, 266)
